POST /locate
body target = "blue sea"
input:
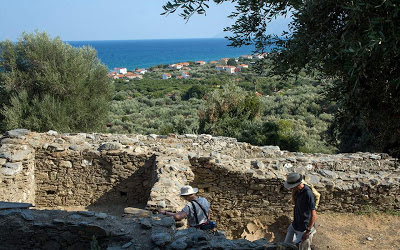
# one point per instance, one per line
(133, 54)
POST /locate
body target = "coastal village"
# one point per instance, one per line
(181, 70)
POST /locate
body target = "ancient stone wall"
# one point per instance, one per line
(243, 182)
(92, 178)
(65, 170)
(251, 200)
(17, 175)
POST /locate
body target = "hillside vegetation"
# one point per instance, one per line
(292, 113)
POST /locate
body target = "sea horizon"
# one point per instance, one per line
(143, 39)
(145, 53)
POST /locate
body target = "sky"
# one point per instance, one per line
(88, 20)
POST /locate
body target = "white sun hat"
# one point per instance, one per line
(187, 190)
(293, 180)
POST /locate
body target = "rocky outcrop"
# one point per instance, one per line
(243, 182)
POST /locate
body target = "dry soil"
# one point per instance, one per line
(359, 232)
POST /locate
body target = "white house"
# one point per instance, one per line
(227, 68)
(243, 66)
(247, 56)
(141, 71)
(261, 55)
(175, 66)
(230, 69)
(121, 70)
(185, 75)
(200, 62)
(166, 76)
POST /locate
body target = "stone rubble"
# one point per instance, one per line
(54, 230)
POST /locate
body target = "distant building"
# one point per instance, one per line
(131, 76)
(166, 76)
(111, 74)
(243, 66)
(261, 55)
(213, 62)
(141, 71)
(175, 66)
(121, 70)
(185, 75)
(200, 62)
(224, 61)
(247, 56)
(227, 68)
(230, 69)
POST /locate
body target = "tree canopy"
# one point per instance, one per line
(47, 84)
(354, 42)
(227, 110)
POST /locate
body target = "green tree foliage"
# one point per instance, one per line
(47, 84)
(295, 105)
(232, 62)
(145, 115)
(196, 91)
(226, 111)
(353, 42)
(281, 133)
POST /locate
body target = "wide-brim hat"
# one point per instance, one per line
(187, 190)
(293, 180)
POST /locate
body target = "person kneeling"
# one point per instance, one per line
(196, 210)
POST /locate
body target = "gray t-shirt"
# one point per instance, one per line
(188, 209)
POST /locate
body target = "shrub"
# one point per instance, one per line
(47, 84)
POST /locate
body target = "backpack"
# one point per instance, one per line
(317, 195)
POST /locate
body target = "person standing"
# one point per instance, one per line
(196, 210)
(302, 229)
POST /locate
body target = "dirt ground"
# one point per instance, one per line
(349, 231)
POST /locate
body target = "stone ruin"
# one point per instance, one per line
(108, 172)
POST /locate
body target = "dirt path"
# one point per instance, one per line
(357, 232)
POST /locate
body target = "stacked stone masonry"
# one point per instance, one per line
(243, 182)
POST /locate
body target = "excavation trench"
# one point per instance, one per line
(111, 182)
(107, 173)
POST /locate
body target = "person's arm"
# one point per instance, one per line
(310, 225)
(177, 216)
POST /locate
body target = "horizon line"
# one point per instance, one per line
(105, 40)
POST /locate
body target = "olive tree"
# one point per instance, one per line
(226, 111)
(353, 42)
(47, 84)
